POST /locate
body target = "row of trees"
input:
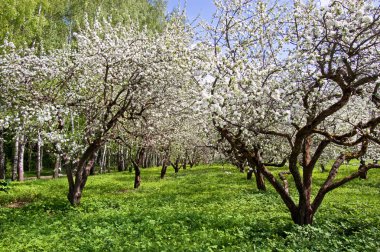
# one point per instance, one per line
(265, 83)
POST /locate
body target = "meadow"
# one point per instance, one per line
(206, 208)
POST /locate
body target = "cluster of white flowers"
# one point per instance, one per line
(277, 69)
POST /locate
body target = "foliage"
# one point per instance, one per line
(30, 22)
(206, 208)
(4, 185)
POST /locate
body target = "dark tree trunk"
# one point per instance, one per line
(159, 160)
(2, 156)
(120, 159)
(305, 213)
(83, 168)
(130, 157)
(137, 165)
(75, 191)
(184, 164)
(165, 162)
(363, 175)
(260, 182)
(241, 167)
(29, 150)
(249, 173)
(175, 165)
(92, 169)
(284, 180)
(302, 217)
(163, 169)
(137, 175)
(323, 168)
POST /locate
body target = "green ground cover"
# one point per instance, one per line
(206, 208)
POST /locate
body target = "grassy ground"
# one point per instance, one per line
(206, 208)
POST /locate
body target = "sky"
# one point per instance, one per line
(194, 8)
(202, 8)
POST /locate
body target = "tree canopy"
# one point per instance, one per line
(31, 22)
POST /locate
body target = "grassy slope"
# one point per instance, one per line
(202, 209)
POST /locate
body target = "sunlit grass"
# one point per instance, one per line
(206, 208)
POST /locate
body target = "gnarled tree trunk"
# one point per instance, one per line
(260, 182)
(83, 167)
(163, 169)
(137, 175)
(175, 165)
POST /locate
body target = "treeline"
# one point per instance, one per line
(51, 23)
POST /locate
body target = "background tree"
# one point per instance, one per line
(52, 23)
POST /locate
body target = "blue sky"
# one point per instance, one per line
(203, 8)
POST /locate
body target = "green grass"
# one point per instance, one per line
(206, 208)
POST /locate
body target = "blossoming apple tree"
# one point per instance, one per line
(112, 75)
(297, 81)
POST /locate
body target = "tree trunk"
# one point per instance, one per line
(175, 165)
(129, 158)
(2, 156)
(39, 157)
(103, 159)
(15, 158)
(302, 216)
(120, 159)
(20, 161)
(42, 156)
(83, 168)
(28, 163)
(164, 168)
(323, 168)
(57, 166)
(249, 173)
(137, 175)
(364, 174)
(241, 167)
(260, 182)
(75, 192)
(109, 160)
(184, 163)
(92, 169)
